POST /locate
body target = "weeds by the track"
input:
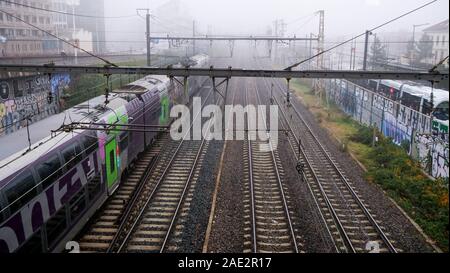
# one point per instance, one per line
(388, 165)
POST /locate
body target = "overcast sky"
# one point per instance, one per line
(342, 17)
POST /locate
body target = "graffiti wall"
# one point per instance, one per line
(428, 140)
(29, 98)
(432, 153)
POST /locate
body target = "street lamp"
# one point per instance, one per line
(414, 40)
(414, 30)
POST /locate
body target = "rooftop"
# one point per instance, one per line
(440, 27)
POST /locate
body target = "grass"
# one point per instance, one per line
(388, 165)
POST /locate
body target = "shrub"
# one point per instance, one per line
(425, 200)
(364, 135)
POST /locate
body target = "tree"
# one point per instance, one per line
(378, 52)
(425, 48)
(420, 50)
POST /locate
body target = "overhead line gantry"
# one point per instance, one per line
(228, 72)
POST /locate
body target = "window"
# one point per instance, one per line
(77, 205)
(123, 142)
(20, 191)
(33, 245)
(56, 226)
(49, 171)
(437, 40)
(2, 218)
(72, 155)
(112, 162)
(90, 143)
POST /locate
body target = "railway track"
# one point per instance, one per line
(170, 199)
(157, 224)
(270, 225)
(143, 212)
(104, 227)
(350, 223)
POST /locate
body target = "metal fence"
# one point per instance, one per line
(404, 125)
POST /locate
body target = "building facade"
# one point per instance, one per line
(20, 39)
(96, 25)
(439, 34)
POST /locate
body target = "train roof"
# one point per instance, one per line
(143, 85)
(16, 144)
(413, 88)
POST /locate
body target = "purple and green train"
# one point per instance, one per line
(48, 192)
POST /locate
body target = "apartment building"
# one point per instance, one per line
(439, 34)
(20, 39)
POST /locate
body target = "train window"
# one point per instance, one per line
(94, 187)
(33, 245)
(49, 171)
(427, 107)
(56, 226)
(123, 142)
(411, 101)
(441, 111)
(21, 191)
(77, 205)
(2, 218)
(112, 162)
(90, 143)
(72, 155)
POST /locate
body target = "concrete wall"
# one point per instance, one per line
(28, 97)
(428, 146)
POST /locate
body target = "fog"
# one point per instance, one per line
(342, 18)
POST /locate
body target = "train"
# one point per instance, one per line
(48, 192)
(416, 96)
(413, 95)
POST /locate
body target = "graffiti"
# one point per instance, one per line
(396, 121)
(30, 98)
(433, 154)
(24, 223)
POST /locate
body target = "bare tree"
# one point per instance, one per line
(378, 52)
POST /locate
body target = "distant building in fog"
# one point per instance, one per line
(94, 25)
(20, 39)
(439, 33)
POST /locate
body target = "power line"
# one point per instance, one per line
(360, 35)
(310, 19)
(51, 34)
(68, 13)
(438, 64)
(301, 18)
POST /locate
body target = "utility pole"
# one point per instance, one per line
(148, 38)
(74, 32)
(310, 51)
(352, 50)
(366, 47)
(414, 41)
(193, 35)
(147, 34)
(276, 42)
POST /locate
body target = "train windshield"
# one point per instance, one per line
(441, 111)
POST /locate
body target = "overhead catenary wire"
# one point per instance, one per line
(362, 34)
(60, 39)
(439, 64)
(68, 13)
